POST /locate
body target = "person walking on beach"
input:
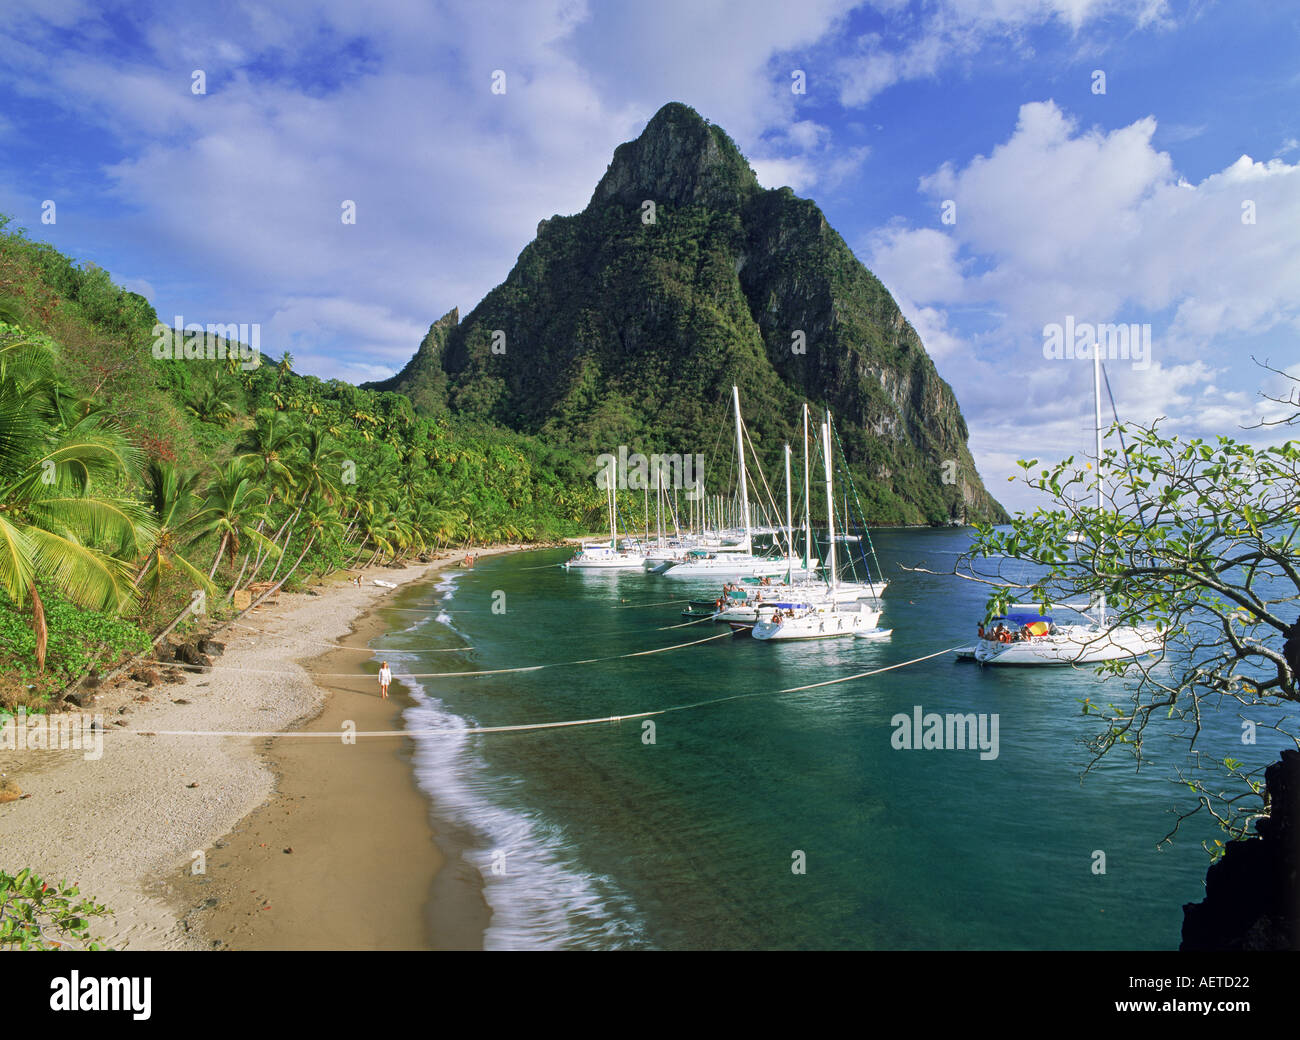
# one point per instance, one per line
(385, 677)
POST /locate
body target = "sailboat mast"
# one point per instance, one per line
(659, 508)
(830, 503)
(744, 486)
(807, 510)
(613, 536)
(1096, 400)
(789, 521)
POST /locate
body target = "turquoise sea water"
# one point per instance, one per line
(591, 837)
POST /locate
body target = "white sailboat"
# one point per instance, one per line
(600, 557)
(1036, 639)
(729, 561)
(821, 621)
(1024, 638)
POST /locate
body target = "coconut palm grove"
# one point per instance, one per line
(140, 493)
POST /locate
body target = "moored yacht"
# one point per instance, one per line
(821, 620)
(817, 622)
(730, 561)
(600, 557)
(1026, 637)
(1035, 639)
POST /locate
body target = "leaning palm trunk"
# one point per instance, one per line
(189, 609)
(288, 536)
(265, 554)
(39, 627)
(276, 587)
(217, 559)
(238, 581)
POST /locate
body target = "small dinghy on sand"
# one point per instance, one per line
(385, 584)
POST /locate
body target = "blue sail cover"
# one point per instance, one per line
(1023, 619)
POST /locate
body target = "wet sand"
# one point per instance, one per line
(365, 871)
(183, 837)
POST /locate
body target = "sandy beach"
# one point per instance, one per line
(187, 838)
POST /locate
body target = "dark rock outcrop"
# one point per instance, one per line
(146, 675)
(1252, 894)
(189, 653)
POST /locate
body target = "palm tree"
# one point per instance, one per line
(229, 512)
(173, 503)
(322, 524)
(316, 465)
(212, 405)
(270, 448)
(321, 465)
(53, 523)
(283, 368)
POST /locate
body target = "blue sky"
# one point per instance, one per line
(1122, 206)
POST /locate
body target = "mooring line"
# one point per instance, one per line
(522, 727)
(685, 624)
(366, 649)
(208, 670)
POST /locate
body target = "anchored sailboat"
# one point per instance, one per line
(1026, 637)
(601, 557)
(820, 620)
(731, 561)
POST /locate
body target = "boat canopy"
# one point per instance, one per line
(1024, 619)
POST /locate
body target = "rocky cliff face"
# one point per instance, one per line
(629, 322)
(423, 380)
(1252, 894)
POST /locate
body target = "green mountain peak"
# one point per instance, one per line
(681, 159)
(627, 324)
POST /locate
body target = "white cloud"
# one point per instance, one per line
(389, 105)
(1058, 220)
(379, 341)
(950, 30)
(1061, 221)
(798, 173)
(921, 264)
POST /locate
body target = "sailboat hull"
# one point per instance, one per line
(721, 566)
(1073, 645)
(819, 624)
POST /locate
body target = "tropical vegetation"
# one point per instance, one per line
(138, 493)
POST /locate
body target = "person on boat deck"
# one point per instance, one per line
(981, 631)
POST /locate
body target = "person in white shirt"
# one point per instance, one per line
(385, 677)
